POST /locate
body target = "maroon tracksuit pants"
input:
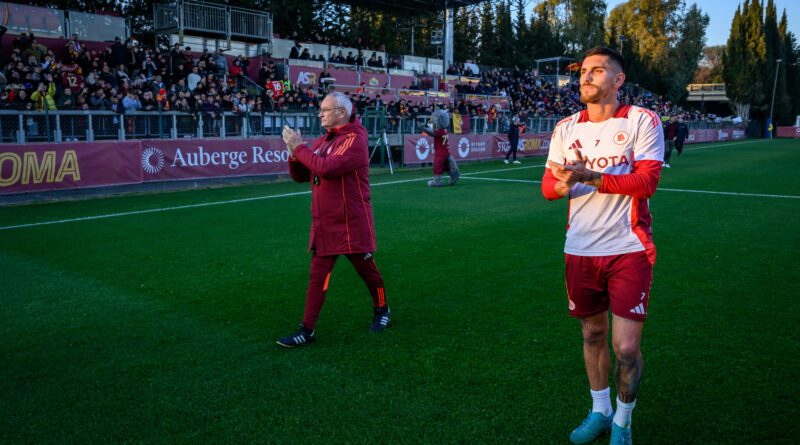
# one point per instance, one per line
(321, 267)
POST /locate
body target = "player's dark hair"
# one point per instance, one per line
(608, 52)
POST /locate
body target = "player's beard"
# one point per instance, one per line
(599, 93)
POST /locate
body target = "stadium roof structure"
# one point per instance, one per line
(410, 7)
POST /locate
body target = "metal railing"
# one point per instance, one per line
(22, 127)
(92, 125)
(229, 21)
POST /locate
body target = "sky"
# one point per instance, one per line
(720, 14)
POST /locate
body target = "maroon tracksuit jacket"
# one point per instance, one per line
(337, 165)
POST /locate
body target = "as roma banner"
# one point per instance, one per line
(164, 160)
(715, 135)
(304, 75)
(40, 167)
(788, 132)
(530, 144)
(418, 149)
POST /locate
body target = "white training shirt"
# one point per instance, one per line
(602, 224)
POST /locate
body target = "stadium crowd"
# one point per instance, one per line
(126, 76)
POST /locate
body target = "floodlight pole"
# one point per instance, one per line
(772, 107)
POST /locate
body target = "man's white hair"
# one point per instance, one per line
(342, 101)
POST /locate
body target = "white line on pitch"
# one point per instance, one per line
(187, 206)
(258, 198)
(707, 192)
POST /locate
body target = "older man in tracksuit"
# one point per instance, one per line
(337, 165)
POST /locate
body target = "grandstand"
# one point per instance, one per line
(219, 72)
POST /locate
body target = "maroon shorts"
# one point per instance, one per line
(621, 280)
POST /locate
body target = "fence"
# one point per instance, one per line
(94, 125)
(57, 126)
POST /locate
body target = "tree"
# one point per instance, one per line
(686, 54)
(661, 40)
(505, 35)
(584, 28)
(744, 59)
(774, 52)
(488, 39)
(465, 34)
(710, 67)
(787, 102)
(541, 38)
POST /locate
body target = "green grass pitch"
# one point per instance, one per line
(158, 325)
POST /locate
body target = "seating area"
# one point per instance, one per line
(127, 76)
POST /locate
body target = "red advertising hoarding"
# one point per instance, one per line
(40, 167)
(304, 75)
(788, 132)
(715, 135)
(164, 160)
(418, 149)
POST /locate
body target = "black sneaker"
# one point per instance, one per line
(380, 321)
(301, 337)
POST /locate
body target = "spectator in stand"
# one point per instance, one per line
(35, 50)
(122, 75)
(74, 47)
(211, 67)
(350, 60)
(177, 59)
(99, 101)
(236, 73)
(131, 102)
(117, 53)
(244, 62)
(264, 73)
(44, 96)
(305, 55)
(373, 60)
(22, 42)
(148, 102)
(221, 63)
(66, 101)
(149, 67)
(193, 79)
(133, 54)
(294, 53)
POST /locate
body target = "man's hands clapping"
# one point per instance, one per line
(292, 139)
(573, 172)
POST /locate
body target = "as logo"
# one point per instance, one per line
(152, 160)
(621, 138)
(463, 147)
(306, 78)
(423, 149)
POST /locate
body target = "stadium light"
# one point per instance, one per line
(772, 107)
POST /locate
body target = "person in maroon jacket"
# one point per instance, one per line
(337, 165)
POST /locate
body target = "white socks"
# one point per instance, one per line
(623, 415)
(601, 402)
